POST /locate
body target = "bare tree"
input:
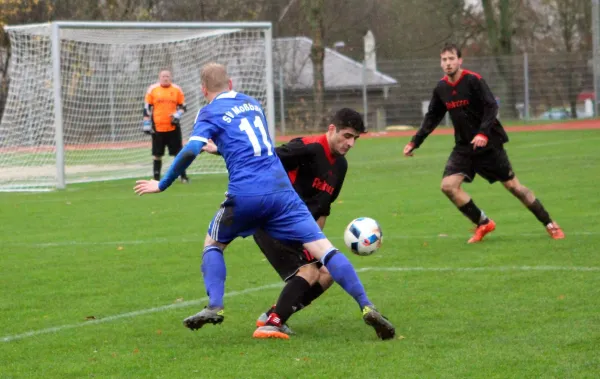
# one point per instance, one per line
(211, 10)
(500, 29)
(571, 22)
(314, 16)
(325, 22)
(414, 28)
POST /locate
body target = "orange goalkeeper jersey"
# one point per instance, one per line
(163, 102)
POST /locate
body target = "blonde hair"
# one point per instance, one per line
(214, 77)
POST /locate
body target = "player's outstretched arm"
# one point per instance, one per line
(408, 149)
(181, 162)
(146, 186)
(435, 114)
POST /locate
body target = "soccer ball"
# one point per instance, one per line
(363, 236)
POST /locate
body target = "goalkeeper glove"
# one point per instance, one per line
(176, 118)
(147, 127)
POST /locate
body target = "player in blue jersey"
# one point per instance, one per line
(259, 195)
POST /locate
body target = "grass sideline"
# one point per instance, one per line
(125, 271)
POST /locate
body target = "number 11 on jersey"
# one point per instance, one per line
(258, 124)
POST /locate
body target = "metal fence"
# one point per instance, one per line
(527, 87)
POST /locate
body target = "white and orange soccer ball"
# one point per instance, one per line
(363, 236)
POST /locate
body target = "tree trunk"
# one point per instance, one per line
(4, 57)
(500, 40)
(567, 15)
(314, 13)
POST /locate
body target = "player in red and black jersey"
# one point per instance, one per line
(479, 143)
(317, 167)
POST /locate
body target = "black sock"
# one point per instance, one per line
(270, 310)
(157, 165)
(184, 175)
(290, 296)
(473, 213)
(540, 212)
(315, 291)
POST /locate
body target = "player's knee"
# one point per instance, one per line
(448, 188)
(520, 191)
(324, 271)
(310, 273)
(209, 241)
(513, 186)
(325, 279)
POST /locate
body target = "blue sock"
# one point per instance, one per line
(343, 273)
(214, 273)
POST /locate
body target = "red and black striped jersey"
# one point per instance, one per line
(316, 174)
(472, 108)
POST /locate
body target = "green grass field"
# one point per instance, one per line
(96, 281)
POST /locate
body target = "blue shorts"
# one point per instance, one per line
(283, 215)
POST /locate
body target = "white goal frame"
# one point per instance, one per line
(265, 27)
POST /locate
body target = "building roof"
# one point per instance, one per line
(341, 72)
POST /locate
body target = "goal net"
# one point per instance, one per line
(88, 128)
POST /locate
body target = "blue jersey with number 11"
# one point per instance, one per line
(236, 124)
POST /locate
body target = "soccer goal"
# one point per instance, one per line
(76, 92)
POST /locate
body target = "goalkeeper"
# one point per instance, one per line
(163, 108)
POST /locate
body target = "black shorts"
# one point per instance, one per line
(492, 164)
(285, 258)
(171, 140)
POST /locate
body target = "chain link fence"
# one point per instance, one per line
(546, 86)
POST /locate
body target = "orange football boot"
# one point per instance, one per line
(555, 231)
(270, 331)
(482, 230)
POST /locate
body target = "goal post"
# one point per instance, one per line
(76, 92)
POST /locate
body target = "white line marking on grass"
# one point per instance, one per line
(116, 243)
(474, 269)
(467, 235)
(184, 304)
(525, 145)
(201, 239)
